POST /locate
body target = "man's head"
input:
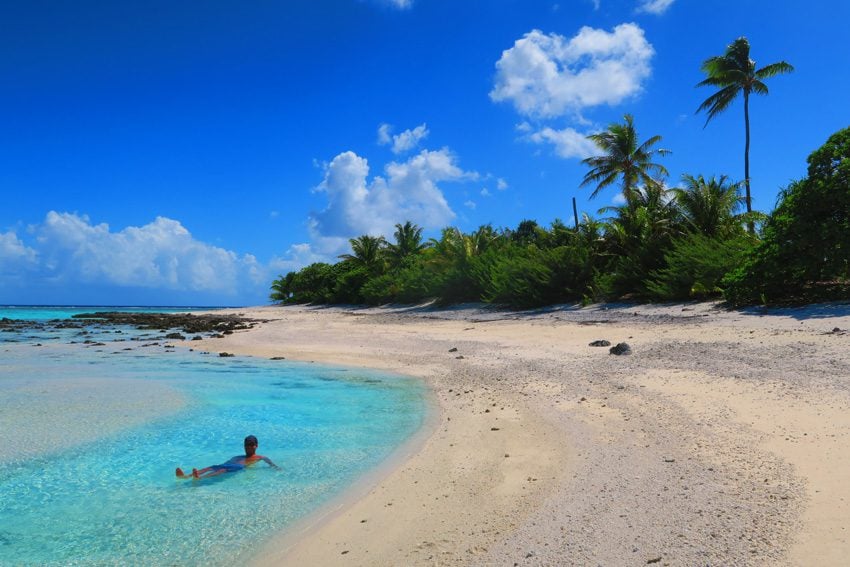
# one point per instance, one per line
(250, 445)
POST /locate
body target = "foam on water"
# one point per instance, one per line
(111, 498)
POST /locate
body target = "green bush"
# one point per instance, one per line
(805, 251)
(312, 284)
(382, 289)
(695, 266)
(349, 279)
(516, 276)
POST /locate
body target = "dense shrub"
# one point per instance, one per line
(519, 276)
(313, 283)
(805, 251)
(349, 279)
(695, 266)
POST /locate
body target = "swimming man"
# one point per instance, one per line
(237, 463)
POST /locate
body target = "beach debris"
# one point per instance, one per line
(620, 349)
(278, 358)
(459, 357)
(197, 338)
(494, 429)
(453, 349)
(669, 460)
(653, 560)
(600, 342)
(225, 354)
(175, 336)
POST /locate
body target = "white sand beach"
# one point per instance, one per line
(721, 440)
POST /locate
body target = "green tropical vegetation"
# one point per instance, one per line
(696, 240)
(804, 252)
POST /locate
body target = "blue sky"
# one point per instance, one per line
(187, 153)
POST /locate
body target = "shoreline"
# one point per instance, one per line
(676, 452)
(281, 545)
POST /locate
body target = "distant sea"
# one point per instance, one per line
(47, 312)
(93, 422)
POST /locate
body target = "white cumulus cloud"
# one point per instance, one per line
(14, 254)
(547, 76)
(568, 142)
(408, 190)
(403, 142)
(656, 7)
(160, 254)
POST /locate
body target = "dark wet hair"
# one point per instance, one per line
(251, 440)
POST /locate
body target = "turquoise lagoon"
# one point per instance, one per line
(114, 500)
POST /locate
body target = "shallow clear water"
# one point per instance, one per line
(116, 501)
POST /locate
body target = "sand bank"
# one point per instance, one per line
(52, 413)
(723, 439)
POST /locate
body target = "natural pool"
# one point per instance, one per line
(111, 497)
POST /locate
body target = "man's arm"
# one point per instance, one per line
(269, 461)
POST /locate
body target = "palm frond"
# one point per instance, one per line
(774, 69)
(719, 101)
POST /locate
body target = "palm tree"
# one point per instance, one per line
(624, 158)
(710, 206)
(456, 248)
(366, 253)
(282, 287)
(734, 72)
(408, 241)
(649, 219)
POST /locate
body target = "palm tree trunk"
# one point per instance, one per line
(750, 226)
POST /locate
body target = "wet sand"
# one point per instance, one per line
(722, 439)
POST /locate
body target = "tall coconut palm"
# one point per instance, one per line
(710, 206)
(624, 158)
(408, 241)
(735, 73)
(366, 253)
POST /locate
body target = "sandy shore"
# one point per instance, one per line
(721, 440)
